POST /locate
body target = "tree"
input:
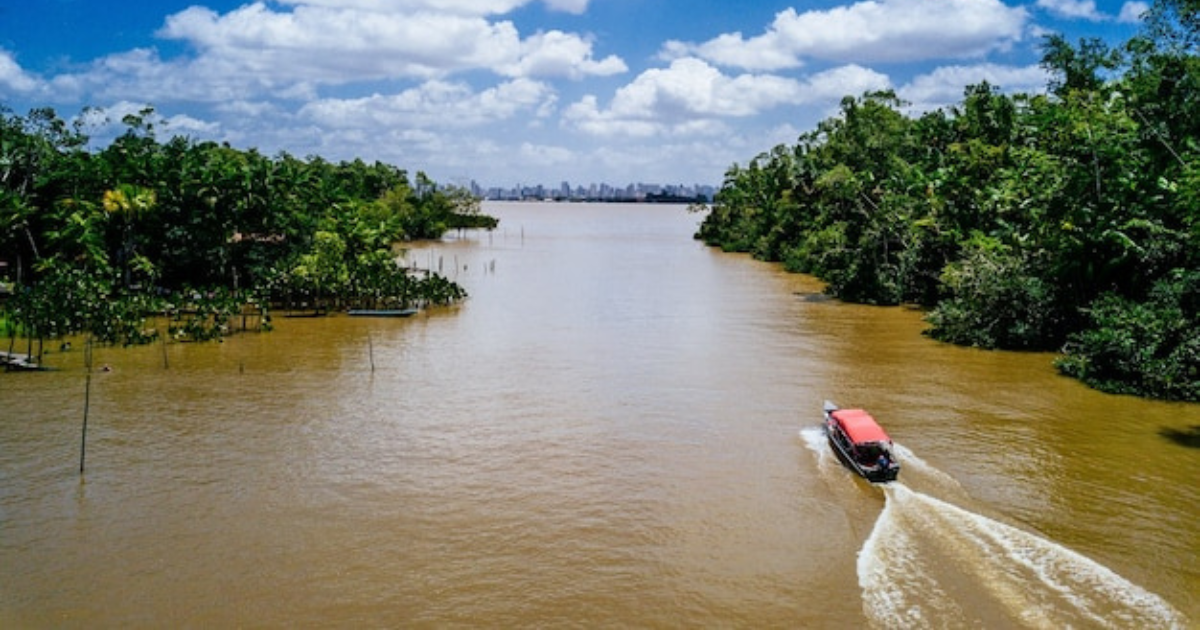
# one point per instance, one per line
(127, 204)
(100, 238)
(1022, 221)
(1077, 68)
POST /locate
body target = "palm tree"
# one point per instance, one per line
(130, 203)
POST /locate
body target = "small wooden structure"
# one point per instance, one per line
(18, 361)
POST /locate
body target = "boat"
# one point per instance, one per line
(389, 312)
(861, 443)
(318, 311)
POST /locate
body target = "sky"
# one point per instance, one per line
(520, 92)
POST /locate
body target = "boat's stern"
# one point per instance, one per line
(883, 474)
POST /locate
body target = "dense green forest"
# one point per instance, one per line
(1066, 221)
(98, 240)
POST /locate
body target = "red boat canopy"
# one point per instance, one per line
(860, 426)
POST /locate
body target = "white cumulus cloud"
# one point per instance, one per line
(559, 54)
(692, 96)
(868, 31)
(328, 43)
(944, 86)
(432, 105)
(331, 45)
(1131, 12)
(13, 77)
(462, 7)
(1074, 9)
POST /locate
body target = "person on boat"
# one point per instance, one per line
(884, 461)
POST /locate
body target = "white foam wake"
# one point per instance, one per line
(828, 464)
(814, 439)
(928, 563)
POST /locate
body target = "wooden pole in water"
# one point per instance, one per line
(371, 350)
(166, 364)
(87, 399)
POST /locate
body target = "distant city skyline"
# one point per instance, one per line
(566, 191)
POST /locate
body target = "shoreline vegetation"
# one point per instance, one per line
(1068, 221)
(112, 243)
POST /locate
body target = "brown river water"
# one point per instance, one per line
(619, 428)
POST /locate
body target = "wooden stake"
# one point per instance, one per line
(166, 365)
(371, 350)
(87, 399)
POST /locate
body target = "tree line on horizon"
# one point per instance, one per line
(1067, 221)
(95, 241)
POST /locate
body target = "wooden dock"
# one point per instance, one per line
(18, 361)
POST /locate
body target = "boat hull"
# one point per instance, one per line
(402, 312)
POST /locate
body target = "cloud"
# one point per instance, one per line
(1131, 12)
(461, 7)
(545, 155)
(141, 74)
(13, 77)
(944, 86)
(433, 105)
(889, 31)
(691, 96)
(255, 52)
(688, 93)
(578, 7)
(327, 43)
(834, 84)
(188, 125)
(1073, 9)
(335, 46)
(558, 54)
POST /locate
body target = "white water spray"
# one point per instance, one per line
(931, 563)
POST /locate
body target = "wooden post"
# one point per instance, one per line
(87, 399)
(371, 351)
(166, 364)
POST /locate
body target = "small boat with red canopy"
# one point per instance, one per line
(861, 443)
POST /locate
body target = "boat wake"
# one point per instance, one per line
(931, 563)
(814, 439)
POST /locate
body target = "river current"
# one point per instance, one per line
(619, 428)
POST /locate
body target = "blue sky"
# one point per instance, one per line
(508, 92)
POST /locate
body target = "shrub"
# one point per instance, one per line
(1149, 348)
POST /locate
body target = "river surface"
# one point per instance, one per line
(619, 428)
